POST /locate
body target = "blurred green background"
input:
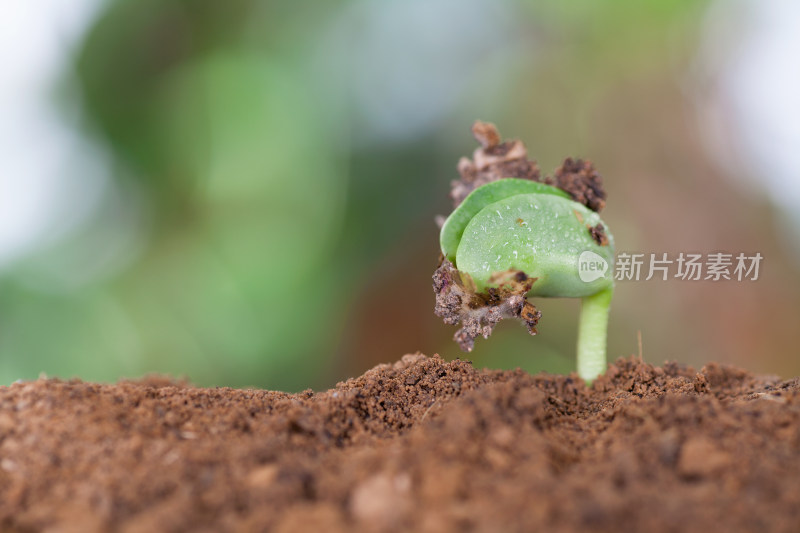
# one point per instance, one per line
(243, 193)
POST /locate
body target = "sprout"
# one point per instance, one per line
(511, 236)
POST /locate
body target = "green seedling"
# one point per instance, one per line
(514, 238)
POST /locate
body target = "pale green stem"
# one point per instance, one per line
(592, 330)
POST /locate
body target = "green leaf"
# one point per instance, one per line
(454, 226)
(541, 234)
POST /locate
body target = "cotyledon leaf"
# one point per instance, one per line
(542, 235)
(454, 226)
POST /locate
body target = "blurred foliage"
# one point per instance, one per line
(241, 167)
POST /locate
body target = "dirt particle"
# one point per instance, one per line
(382, 501)
(457, 301)
(486, 134)
(531, 316)
(263, 476)
(580, 179)
(494, 160)
(598, 233)
(701, 457)
(700, 383)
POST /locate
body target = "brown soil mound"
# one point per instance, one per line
(422, 445)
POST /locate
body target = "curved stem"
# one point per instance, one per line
(592, 334)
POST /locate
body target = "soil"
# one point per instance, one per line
(479, 313)
(422, 445)
(493, 161)
(581, 180)
(598, 233)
